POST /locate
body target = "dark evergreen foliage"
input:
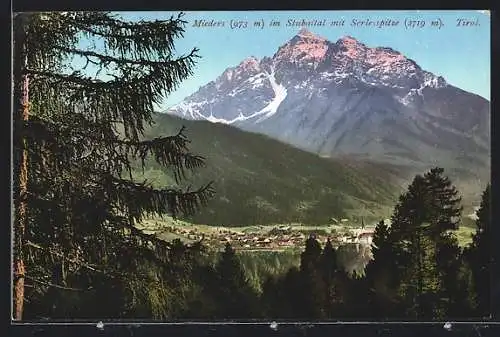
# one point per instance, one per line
(313, 288)
(479, 255)
(330, 270)
(82, 131)
(236, 297)
(426, 264)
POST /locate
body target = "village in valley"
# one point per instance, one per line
(276, 237)
(269, 237)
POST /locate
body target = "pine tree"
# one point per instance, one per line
(463, 304)
(446, 212)
(410, 225)
(444, 203)
(421, 283)
(310, 257)
(479, 255)
(236, 296)
(380, 242)
(270, 296)
(313, 296)
(330, 271)
(286, 301)
(421, 229)
(77, 131)
(381, 275)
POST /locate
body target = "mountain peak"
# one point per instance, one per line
(250, 63)
(250, 60)
(348, 38)
(349, 42)
(303, 46)
(352, 47)
(305, 32)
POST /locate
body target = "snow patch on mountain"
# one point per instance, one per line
(270, 109)
(280, 94)
(429, 81)
(189, 108)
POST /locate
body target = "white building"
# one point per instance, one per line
(365, 238)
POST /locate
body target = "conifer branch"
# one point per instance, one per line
(51, 252)
(53, 285)
(129, 98)
(107, 59)
(140, 37)
(136, 198)
(168, 151)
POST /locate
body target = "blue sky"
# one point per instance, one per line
(460, 54)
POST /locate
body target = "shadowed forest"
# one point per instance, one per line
(78, 134)
(418, 273)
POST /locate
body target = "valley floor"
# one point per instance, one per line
(268, 237)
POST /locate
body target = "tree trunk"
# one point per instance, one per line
(21, 113)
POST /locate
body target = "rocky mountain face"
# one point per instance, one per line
(345, 98)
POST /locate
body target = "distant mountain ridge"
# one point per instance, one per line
(345, 98)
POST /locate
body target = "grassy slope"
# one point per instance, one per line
(260, 180)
